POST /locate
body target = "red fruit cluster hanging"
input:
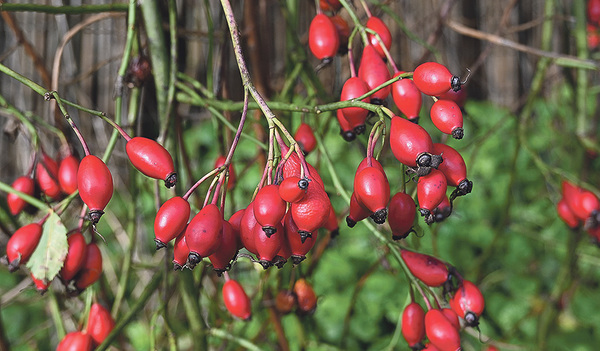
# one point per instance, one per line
(579, 207)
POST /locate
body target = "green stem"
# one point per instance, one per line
(222, 334)
(55, 313)
(26, 81)
(29, 199)
(192, 309)
(126, 271)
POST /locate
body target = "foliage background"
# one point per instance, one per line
(540, 279)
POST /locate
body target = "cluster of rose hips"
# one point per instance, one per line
(579, 207)
(100, 323)
(440, 325)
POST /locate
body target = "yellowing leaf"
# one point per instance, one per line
(48, 257)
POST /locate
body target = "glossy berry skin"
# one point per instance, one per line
(170, 220)
(443, 210)
(448, 118)
(46, 174)
(232, 176)
(312, 212)
(332, 224)
(41, 285)
(298, 248)
(441, 332)
(454, 169)
(407, 97)
(357, 213)
(21, 245)
(401, 215)
(413, 324)
(203, 233)
(25, 185)
(91, 269)
(306, 138)
(290, 189)
(152, 159)
(452, 317)
(67, 174)
(354, 87)
(306, 297)
(269, 208)
(431, 190)
(427, 269)
(236, 300)
(247, 225)
(571, 194)
(460, 97)
(292, 168)
(285, 301)
(565, 213)
(323, 39)
(346, 129)
(75, 256)
(412, 145)
(374, 72)
(180, 252)
(100, 323)
(588, 204)
(76, 341)
(95, 185)
(372, 189)
(377, 25)
(227, 249)
(468, 303)
(434, 79)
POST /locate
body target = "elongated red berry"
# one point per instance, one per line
(267, 246)
(247, 224)
(593, 12)
(152, 159)
(401, 215)
(15, 203)
(412, 145)
(235, 220)
(407, 98)
(76, 341)
(441, 332)
(330, 5)
(589, 205)
(298, 248)
(454, 169)
(306, 138)
(372, 189)
(448, 118)
(203, 234)
(67, 174)
(236, 300)
(374, 72)
(293, 189)
(353, 88)
(431, 190)
(306, 297)
(346, 129)
(95, 185)
(413, 324)
(332, 223)
(91, 269)
(379, 27)
(75, 256)
(452, 317)
(170, 220)
(343, 30)
(46, 174)
(312, 211)
(227, 250)
(434, 79)
(427, 269)
(443, 210)
(21, 245)
(292, 168)
(323, 39)
(357, 213)
(285, 301)
(100, 323)
(468, 303)
(180, 252)
(232, 176)
(565, 213)
(269, 208)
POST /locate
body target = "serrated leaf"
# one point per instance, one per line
(48, 257)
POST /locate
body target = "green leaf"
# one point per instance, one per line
(48, 257)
